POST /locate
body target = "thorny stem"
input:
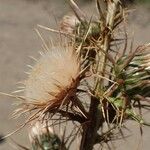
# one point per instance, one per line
(90, 129)
(112, 8)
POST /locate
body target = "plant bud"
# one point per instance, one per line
(42, 137)
(69, 24)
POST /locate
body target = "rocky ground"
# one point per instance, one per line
(18, 40)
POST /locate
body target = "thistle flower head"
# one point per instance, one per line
(69, 23)
(53, 77)
(42, 136)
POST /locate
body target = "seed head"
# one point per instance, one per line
(54, 78)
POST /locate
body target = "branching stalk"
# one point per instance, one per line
(90, 130)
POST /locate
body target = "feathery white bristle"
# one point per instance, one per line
(18, 91)
(33, 58)
(29, 66)
(56, 68)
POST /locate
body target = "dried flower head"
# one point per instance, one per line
(54, 79)
(51, 87)
(52, 84)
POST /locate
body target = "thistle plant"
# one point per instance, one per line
(91, 82)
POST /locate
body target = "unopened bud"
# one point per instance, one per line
(42, 137)
(69, 24)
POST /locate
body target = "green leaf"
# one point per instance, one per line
(117, 102)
